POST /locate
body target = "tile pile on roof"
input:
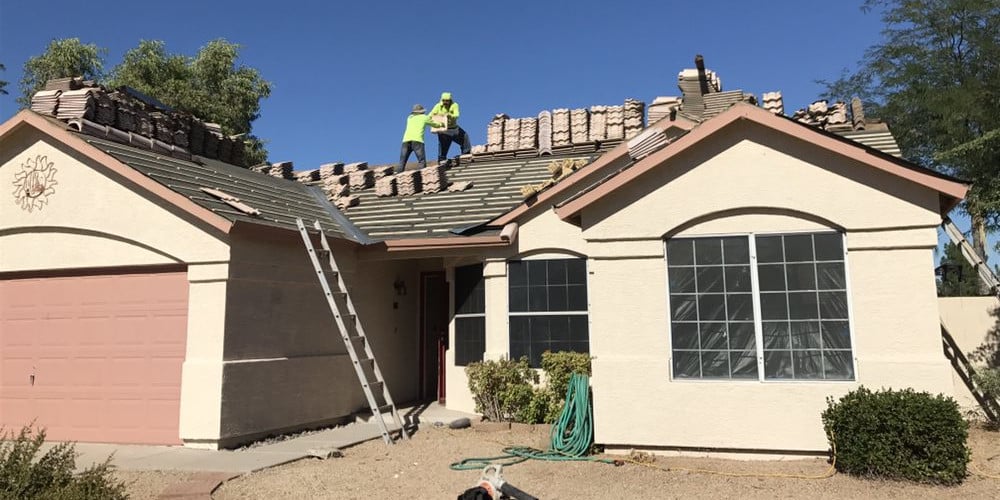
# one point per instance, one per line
(560, 128)
(433, 179)
(386, 186)
(849, 122)
(120, 114)
(598, 124)
(558, 170)
(494, 132)
(662, 107)
(528, 138)
(408, 182)
(773, 102)
(579, 126)
(633, 119)
(545, 132)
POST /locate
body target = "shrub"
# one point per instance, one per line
(898, 435)
(501, 388)
(988, 381)
(27, 474)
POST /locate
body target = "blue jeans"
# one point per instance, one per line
(404, 154)
(452, 135)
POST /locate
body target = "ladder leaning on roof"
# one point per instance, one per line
(353, 334)
(970, 254)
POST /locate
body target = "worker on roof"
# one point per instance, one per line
(453, 133)
(413, 137)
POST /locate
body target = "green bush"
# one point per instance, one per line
(896, 434)
(27, 474)
(501, 388)
(505, 390)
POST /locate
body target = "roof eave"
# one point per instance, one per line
(949, 188)
(507, 237)
(29, 118)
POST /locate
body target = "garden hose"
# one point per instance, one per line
(572, 434)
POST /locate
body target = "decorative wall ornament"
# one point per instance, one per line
(34, 183)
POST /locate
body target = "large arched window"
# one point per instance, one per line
(759, 307)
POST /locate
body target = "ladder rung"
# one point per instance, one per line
(377, 386)
(369, 361)
(357, 338)
(383, 409)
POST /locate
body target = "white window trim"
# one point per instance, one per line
(758, 321)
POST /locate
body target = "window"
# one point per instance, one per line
(470, 314)
(798, 284)
(548, 307)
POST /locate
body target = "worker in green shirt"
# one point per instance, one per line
(413, 138)
(453, 133)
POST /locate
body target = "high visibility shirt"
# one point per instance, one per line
(415, 127)
(452, 112)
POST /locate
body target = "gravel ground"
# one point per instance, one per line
(149, 484)
(419, 469)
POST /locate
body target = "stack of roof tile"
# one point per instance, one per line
(479, 149)
(579, 120)
(647, 142)
(836, 118)
(355, 167)
(561, 135)
(182, 134)
(196, 138)
(598, 124)
(408, 182)
(661, 107)
(281, 170)
(345, 202)
(330, 169)
(545, 132)
(773, 102)
(210, 148)
(459, 186)
(361, 179)
(76, 104)
(383, 171)
(45, 102)
(307, 175)
(385, 186)
(433, 179)
(857, 113)
(511, 134)
(68, 83)
(529, 134)
(616, 122)
(634, 110)
(495, 132)
(164, 126)
(337, 185)
(821, 114)
(104, 111)
(717, 102)
(689, 81)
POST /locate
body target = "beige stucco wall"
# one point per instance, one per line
(92, 221)
(286, 366)
(748, 180)
(973, 323)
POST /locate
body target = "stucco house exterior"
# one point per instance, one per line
(726, 281)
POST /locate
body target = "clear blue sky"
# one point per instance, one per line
(345, 74)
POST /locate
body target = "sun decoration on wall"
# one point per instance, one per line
(33, 184)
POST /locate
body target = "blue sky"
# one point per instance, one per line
(345, 74)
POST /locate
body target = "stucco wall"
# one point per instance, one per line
(286, 366)
(91, 220)
(749, 180)
(973, 323)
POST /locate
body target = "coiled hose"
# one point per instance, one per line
(571, 438)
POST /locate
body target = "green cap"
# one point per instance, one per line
(445, 96)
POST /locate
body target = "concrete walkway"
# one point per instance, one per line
(236, 462)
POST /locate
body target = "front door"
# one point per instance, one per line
(433, 334)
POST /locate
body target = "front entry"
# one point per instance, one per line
(433, 334)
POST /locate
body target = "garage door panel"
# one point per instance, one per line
(106, 352)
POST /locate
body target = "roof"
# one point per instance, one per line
(179, 182)
(496, 189)
(951, 190)
(278, 201)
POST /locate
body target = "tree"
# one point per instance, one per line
(3, 83)
(958, 277)
(210, 85)
(935, 78)
(63, 58)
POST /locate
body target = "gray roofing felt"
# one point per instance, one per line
(496, 189)
(279, 201)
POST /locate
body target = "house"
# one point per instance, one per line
(728, 268)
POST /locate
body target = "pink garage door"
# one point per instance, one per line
(94, 357)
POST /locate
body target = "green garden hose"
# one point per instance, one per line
(572, 434)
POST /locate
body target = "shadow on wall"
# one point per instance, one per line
(988, 353)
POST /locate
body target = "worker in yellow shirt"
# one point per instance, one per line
(413, 137)
(453, 133)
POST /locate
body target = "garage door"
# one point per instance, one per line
(94, 358)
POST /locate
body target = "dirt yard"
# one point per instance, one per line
(419, 469)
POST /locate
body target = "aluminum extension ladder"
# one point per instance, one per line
(353, 334)
(970, 254)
